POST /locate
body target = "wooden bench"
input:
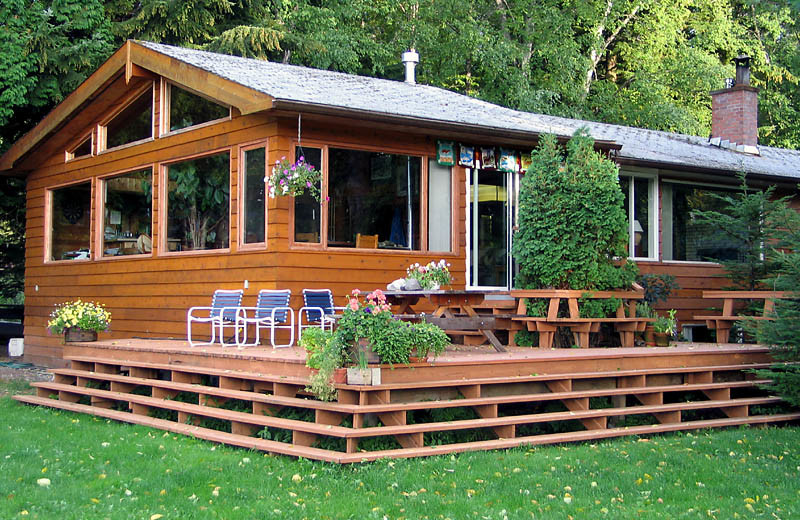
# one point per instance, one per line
(723, 323)
(626, 323)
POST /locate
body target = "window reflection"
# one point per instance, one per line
(198, 203)
(375, 195)
(307, 210)
(69, 222)
(134, 123)
(127, 214)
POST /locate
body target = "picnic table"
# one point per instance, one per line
(723, 323)
(626, 323)
(454, 311)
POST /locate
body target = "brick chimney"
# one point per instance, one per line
(734, 111)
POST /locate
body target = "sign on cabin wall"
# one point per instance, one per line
(445, 154)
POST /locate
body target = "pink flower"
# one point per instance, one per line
(355, 292)
(327, 199)
(353, 305)
(301, 159)
(308, 184)
(421, 269)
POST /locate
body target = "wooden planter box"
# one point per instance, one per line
(72, 335)
(366, 376)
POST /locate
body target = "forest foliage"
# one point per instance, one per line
(644, 63)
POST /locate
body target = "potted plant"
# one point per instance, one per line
(293, 179)
(427, 339)
(324, 355)
(79, 320)
(665, 328)
(657, 288)
(431, 277)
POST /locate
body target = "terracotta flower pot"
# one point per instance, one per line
(340, 375)
(74, 334)
(364, 346)
(662, 339)
(649, 336)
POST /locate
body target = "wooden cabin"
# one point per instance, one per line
(146, 191)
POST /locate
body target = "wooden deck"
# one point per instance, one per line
(256, 398)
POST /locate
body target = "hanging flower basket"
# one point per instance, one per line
(293, 179)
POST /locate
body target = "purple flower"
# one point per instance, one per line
(301, 159)
(308, 184)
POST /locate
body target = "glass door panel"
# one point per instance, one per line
(489, 229)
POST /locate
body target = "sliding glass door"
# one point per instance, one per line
(491, 213)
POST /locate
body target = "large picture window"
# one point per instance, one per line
(127, 216)
(70, 221)
(198, 203)
(374, 200)
(685, 238)
(253, 191)
(640, 197)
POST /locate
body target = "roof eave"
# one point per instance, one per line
(422, 122)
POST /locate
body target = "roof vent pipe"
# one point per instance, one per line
(410, 60)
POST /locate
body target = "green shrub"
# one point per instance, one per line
(572, 224)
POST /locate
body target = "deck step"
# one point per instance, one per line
(555, 438)
(403, 429)
(226, 393)
(208, 434)
(388, 407)
(194, 409)
(256, 376)
(332, 456)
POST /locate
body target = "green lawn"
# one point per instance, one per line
(100, 469)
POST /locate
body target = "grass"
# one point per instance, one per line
(100, 469)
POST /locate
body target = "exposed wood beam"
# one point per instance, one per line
(245, 99)
(87, 90)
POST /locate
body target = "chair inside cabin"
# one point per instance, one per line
(272, 311)
(366, 241)
(221, 314)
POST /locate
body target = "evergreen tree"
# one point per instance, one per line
(572, 224)
(783, 333)
(750, 219)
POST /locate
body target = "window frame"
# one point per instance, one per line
(69, 153)
(709, 185)
(163, 203)
(132, 97)
(653, 208)
(165, 91)
(322, 245)
(240, 205)
(100, 202)
(48, 222)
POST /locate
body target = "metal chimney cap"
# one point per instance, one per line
(410, 60)
(411, 56)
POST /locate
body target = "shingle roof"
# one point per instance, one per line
(322, 88)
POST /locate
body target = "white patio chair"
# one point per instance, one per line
(221, 314)
(271, 312)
